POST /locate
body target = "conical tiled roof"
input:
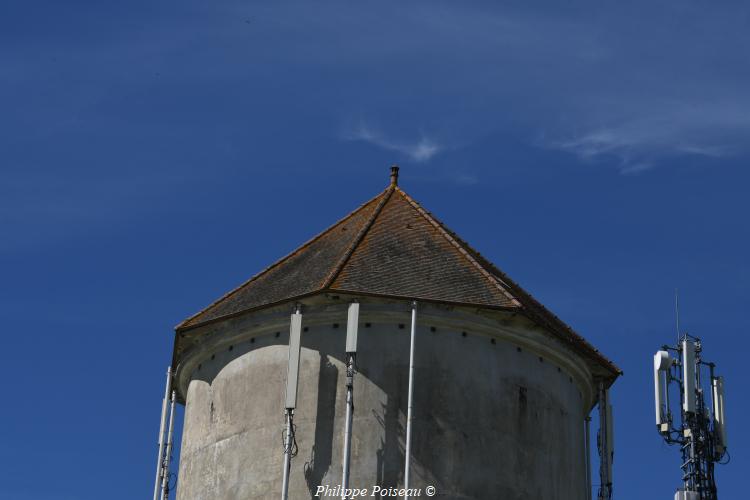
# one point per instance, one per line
(390, 246)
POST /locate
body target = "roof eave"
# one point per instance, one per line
(551, 323)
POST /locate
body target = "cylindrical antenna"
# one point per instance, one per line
(688, 375)
(662, 363)
(292, 374)
(352, 324)
(719, 422)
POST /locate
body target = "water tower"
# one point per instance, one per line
(386, 352)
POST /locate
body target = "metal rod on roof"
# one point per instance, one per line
(168, 452)
(407, 476)
(160, 457)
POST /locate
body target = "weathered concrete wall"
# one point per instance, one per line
(498, 408)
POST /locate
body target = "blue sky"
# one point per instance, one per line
(156, 154)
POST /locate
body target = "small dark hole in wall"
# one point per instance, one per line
(518, 349)
(492, 341)
(213, 356)
(433, 329)
(558, 369)
(252, 339)
(522, 395)
(200, 366)
(541, 359)
(335, 297)
(367, 325)
(231, 347)
(335, 325)
(571, 379)
(277, 334)
(400, 326)
(306, 329)
(463, 334)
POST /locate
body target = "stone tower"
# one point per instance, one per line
(501, 385)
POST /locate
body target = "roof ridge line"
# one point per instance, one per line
(534, 307)
(277, 263)
(467, 255)
(328, 281)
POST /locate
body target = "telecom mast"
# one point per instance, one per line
(701, 429)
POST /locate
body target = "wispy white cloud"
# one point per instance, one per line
(469, 71)
(632, 93)
(633, 153)
(421, 150)
(708, 130)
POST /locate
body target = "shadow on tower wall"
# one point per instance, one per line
(321, 453)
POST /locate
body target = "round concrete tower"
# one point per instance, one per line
(501, 386)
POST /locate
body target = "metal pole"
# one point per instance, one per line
(287, 455)
(604, 462)
(159, 459)
(588, 457)
(348, 424)
(168, 453)
(407, 477)
(352, 325)
(292, 379)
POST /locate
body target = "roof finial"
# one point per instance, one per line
(394, 175)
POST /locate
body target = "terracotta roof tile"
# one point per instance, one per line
(404, 255)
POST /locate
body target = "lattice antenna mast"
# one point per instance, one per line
(701, 429)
